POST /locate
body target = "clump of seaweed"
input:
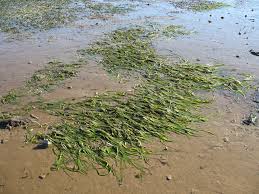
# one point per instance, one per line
(199, 5)
(109, 131)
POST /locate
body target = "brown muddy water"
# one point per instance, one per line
(226, 160)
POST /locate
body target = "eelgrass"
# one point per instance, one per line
(9, 98)
(43, 80)
(207, 6)
(107, 8)
(23, 15)
(109, 132)
(199, 5)
(19, 16)
(53, 74)
(173, 31)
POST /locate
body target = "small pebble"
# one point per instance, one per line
(194, 191)
(245, 16)
(198, 60)
(29, 62)
(2, 141)
(34, 116)
(42, 176)
(239, 33)
(218, 182)
(69, 87)
(165, 148)
(169, 177)
(209, 21)
(138, 176)
(226, 139)
(233, 121)
(237, 56)
(222, 17)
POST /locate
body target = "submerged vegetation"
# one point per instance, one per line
(199, 5)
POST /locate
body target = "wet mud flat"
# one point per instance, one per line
(129, 90)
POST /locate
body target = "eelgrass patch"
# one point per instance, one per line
(20, 16)
(44, 80)
(199, 5)
(52, 75)
(9, 98)
(30, 15)
(106, 9)
(173, 31)
(108, 132)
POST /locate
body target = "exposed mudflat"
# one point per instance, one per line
(225, 160)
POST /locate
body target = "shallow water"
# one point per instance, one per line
(215, 42)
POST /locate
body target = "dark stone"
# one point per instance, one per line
(252, 118)
(254, 53)
(13, 122)
(256, 96)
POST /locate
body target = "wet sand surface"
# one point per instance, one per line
(226, 160)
